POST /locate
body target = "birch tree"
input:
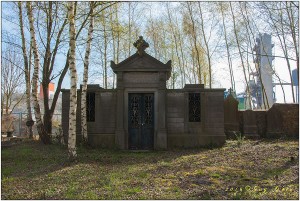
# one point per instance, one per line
(73, 80)
(52, 21)
(45, 125)
(86, 74)
(35, 77)
(27, 67)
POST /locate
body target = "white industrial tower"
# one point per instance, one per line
(264, 72)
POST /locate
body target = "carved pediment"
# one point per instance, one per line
(137, 62)
(141, 61)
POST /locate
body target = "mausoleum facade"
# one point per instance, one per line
(141, 113)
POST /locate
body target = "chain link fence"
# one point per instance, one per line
(16, 123)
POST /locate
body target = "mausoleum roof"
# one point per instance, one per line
(141, 61)
(138, 62)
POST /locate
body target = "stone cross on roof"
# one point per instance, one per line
(141, 45)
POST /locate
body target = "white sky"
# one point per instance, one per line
(220, 71)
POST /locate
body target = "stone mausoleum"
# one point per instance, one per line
(141, 113)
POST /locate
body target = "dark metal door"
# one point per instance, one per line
(140, 121)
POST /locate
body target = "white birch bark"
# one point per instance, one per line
(26, 70)
(73, 89)
(85, 77)
(35, 76)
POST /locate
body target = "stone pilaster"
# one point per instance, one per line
(120, 132)
(161, 138)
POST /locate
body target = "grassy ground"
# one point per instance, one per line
(256, 170)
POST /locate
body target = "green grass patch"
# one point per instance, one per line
(256, 170)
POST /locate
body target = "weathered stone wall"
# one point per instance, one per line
(253, 123)
(279, 121)
(261, 122)
(101, 132)
(65, 114)
(175, 118)
(283, 120)
(231, 116)
(141, 73)
(141, 79)
(209, 131)
(250, 128)
(214, 117)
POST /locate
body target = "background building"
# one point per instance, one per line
(50, 92)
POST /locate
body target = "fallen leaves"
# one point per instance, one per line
(34, 171)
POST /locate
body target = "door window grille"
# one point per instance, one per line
(194, 107)
(90, 107)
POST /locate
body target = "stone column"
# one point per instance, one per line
(161, 138)
(120, 132)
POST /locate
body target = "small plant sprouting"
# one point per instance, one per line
(239, 137)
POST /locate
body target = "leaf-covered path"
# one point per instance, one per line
(256, 170)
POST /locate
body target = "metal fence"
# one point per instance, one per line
(19, 123)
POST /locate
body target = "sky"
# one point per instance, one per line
(220, 72)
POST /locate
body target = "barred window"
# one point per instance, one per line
(90, 107)
(194, 107)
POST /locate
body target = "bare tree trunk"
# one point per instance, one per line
(253, 36)
(286, 54)
(227, 49)
(293, 32)
(28, 96)
(46, 72)
(195, 42)
(105, 51)
(73, 90)
(35, 77)
(288, 64)
(241, 56)
(113, 35)
(27, 67)
(118, 40)
(284, 48)
(206, 45)
(195, 71)
(282, 43)
(11, 82)
(173, 72)
(183, 59)
(129, 27)
(176, 47)
(281, 85)
(249, 33)
(49, 60)
(85, 76)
